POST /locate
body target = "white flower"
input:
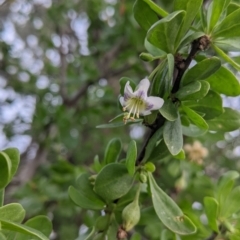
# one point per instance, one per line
(137, 102)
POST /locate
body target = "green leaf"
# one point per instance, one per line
(222, 54)
(163, 33)
(205, 86)
(212, 208)
(154, 51)
(14, 156)
(169, 110)
(113, 182)
(224, 81)
(152, 143)
(232, 204)
(195, 118)
(191, 7)
(226, 122)
(40, 223)
(5, 169)
(131, 157)
(84, 196)
(228, 44)
(218, 6)
(172, 135)
(159, 152)
(193, 131)
(13, 212)
(229, 27)
(180, 155)
(112, 151)
(2, 237)
(157, 9)
(123, 82)
(201, 70)
(171, 64)
(11, 226)
(168, 211)
(119, 123)
(144, 15)
(188, 89)
(210, 105)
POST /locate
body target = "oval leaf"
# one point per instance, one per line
(187, 90)
(131, 157)
(5, 169)
(212, 211)
(168, 211)
(12, 212)
(112, 151)
(172, 134)
(113, 182)
(169, 111)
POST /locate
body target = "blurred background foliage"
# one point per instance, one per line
(60, 62)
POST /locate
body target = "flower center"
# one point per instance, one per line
(134, 106)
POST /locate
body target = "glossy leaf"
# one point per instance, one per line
(112, 151)
(188, 89)
(195, 118)
(113, 182)
(156, 8)
(168, 211)
(223, 81)
(172, 134)
(212, 210)
(226, 122)
(210, 105)
(163, 33)
(5, 169)
(201, 70)
(141, 12)
(169, 110)
(131, 157)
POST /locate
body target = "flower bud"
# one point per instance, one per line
(143, 177)
(150, 167)
(147, 57)
(131, 215)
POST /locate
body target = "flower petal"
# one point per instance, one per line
(122, 101)
(144, 113)
(142, 88)
(128, 92)
(154, 103)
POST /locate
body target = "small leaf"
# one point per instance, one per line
(113, 182)
(172, 134)
(168, 211)
(210, 105)
(16, 227)
(131, 157)
(169, 111)
(195, 118)
(5, 169)
(141, 12)
(212, 210)
(84, 196)
(201, 70)
(112, 151)
(226, 122)
(224, 81)
(14, 156)
(171, 64)
(163, 33)
(188, 89)
(205, 86)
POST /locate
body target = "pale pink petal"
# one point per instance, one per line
(154, 103)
